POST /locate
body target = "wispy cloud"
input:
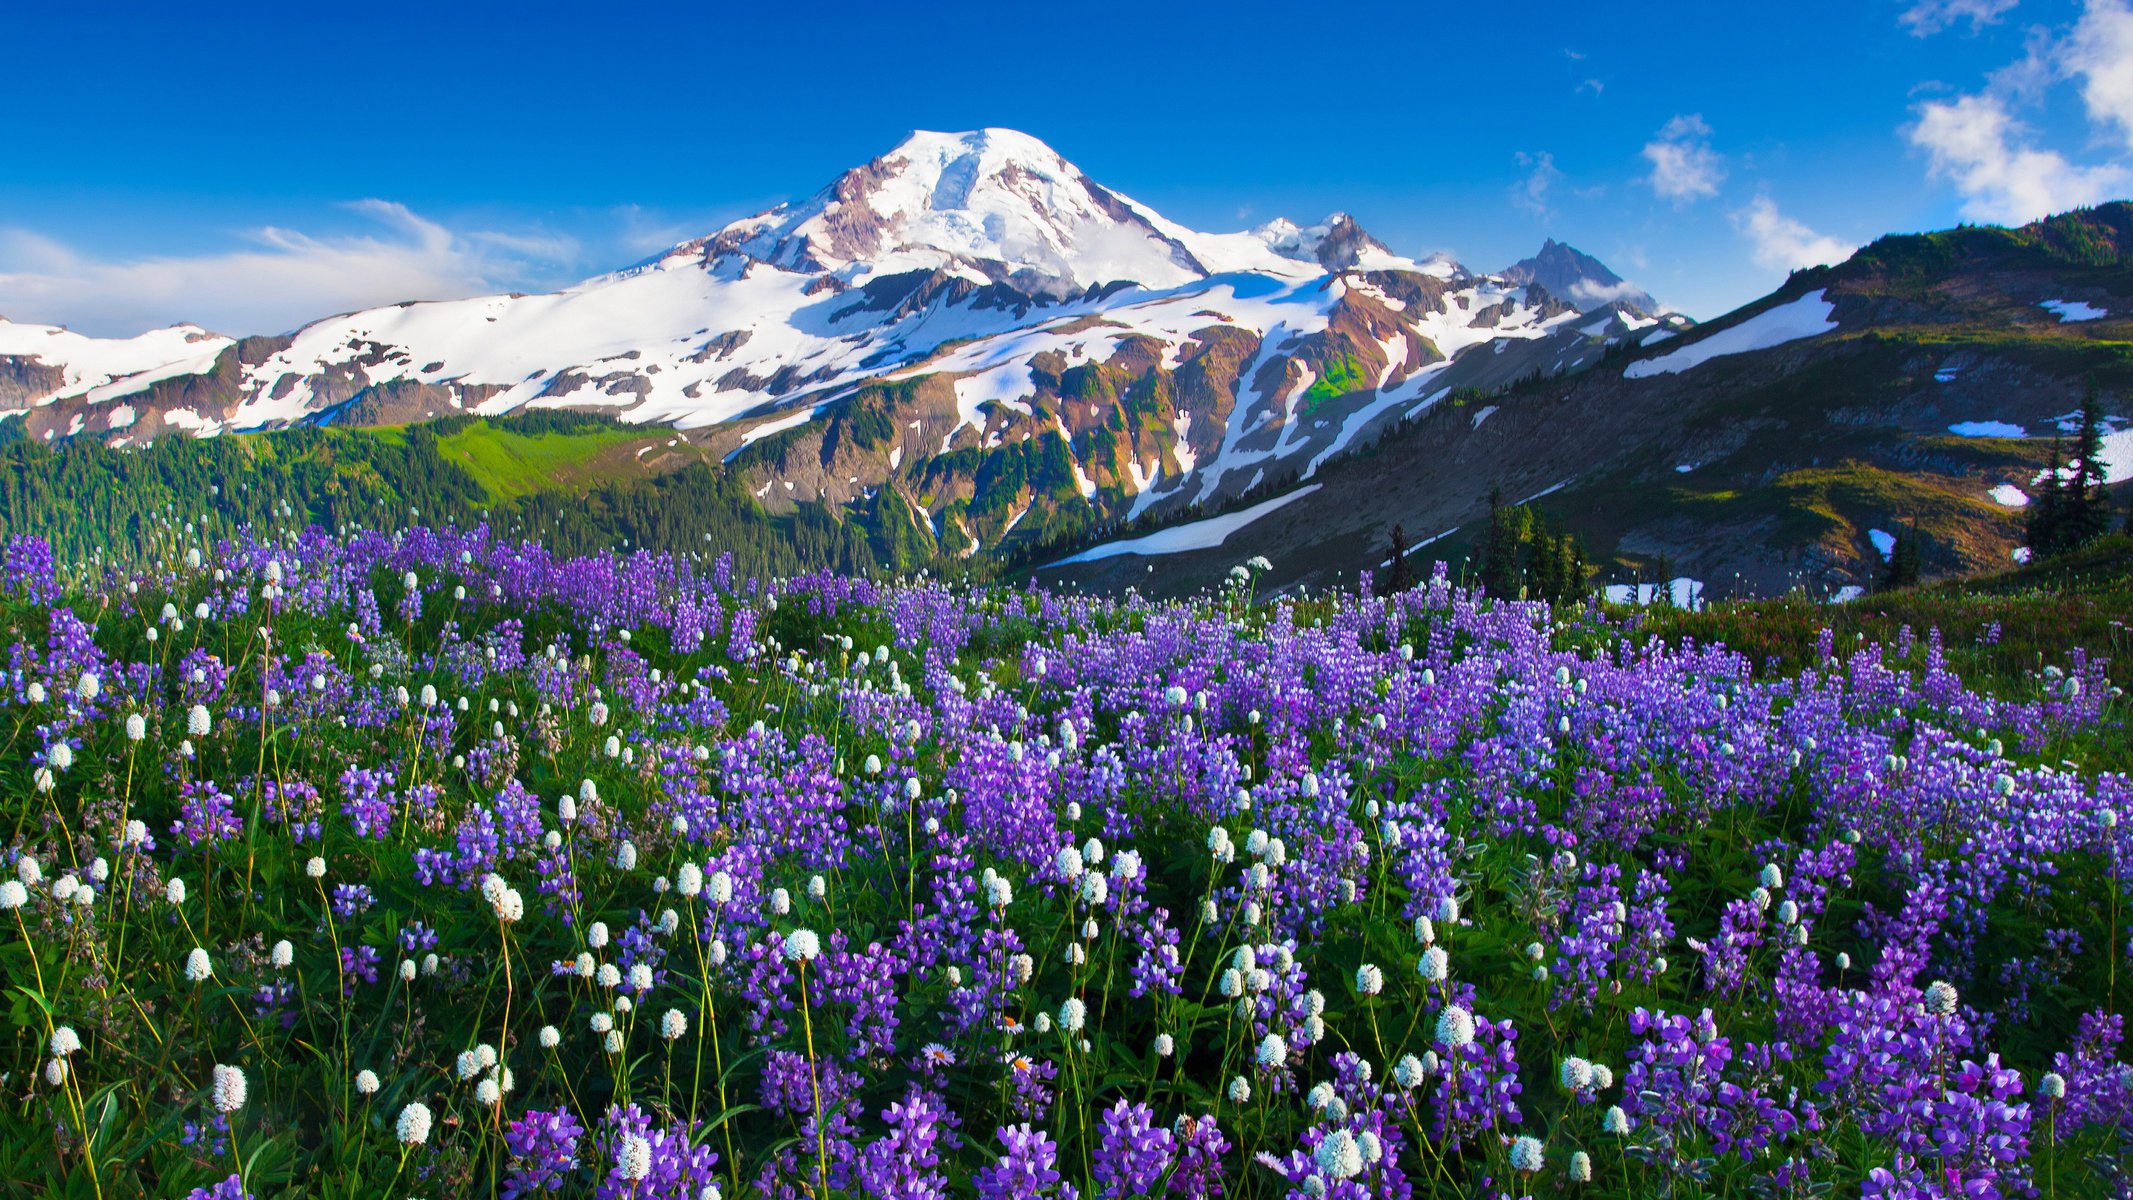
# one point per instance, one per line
(1684, 167)
(278, 280)
(1928, 17)
(1979, 144)
(1782, 243)
(1531, 193)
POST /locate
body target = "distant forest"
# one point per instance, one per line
(92, 501)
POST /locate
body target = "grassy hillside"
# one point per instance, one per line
(508, 463)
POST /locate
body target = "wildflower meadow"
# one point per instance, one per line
(437, 865)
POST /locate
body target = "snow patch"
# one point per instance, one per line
(1806, 317)
(2010, 496)
(766, 429)
(2074, 310)
(2117, 456)
(1883, 540)
(1483, 415)
(1683, 591)
(1204, 534)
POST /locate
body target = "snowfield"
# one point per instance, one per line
(1806, 317)
(112, 367)
(1193, 535)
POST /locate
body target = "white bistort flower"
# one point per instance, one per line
(413, 1128)
(1339, 1155)
(366, 1082)
(801, 945)
(229, 1089)
(1273, 1051)
(636, 1158)
(1527, 1156)
(1455, 1027)
(197, 967)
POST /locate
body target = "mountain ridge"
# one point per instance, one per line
(1172, 367)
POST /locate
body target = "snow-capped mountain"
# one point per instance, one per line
(1581, 279)
(961, 297)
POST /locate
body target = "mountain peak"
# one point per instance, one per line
(992, 204)
(1579, 278)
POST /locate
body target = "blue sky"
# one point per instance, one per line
(257, 166)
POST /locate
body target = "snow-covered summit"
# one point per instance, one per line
(995, 204)
(1000, 206)
(1575, 277)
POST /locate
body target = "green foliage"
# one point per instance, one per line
(507, 462)
(1339, 375)
(1905, 559)
(1522, 557)
(2072, 506)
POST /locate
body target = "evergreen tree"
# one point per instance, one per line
(2073, 505)
(1546, 575)
(1500, 573)
(2042, 527)
(2088, 514)
(1570, 570)
(1906, 558)
(1400, 576)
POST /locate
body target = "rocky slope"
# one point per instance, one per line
(1919, 384)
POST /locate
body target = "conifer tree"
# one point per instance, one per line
(1906, 558)
(2088, 500)
(1400, 575)
(2042, 527)
(1500, 573)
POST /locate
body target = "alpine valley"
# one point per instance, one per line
(967, 352)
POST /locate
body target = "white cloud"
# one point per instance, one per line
(1531, 193)
(1684, 167)
(1979, 144)
(282, 279)
(1928, 17)
(1589, 294)
(2100, 53)
(1976, 144)
(1783, 243)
